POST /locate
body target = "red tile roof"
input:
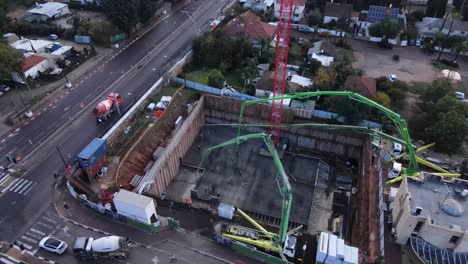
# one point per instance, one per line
(250, 26)
(365, 85)
(31, 61)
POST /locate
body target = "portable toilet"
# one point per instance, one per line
(351, 255)
(331, 256)
(322, 248)
(340, 246)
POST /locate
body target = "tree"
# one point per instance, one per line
(419, 14)
(411, 32)
(215, 78)
(249, 69)
(353, 112)
(325, 79)
(438, 89)
(4, 19)
(147, 9)
(436, 8)
(122, 13)
(314, 65)
(386, 29)
(448, 131)
(102, 33)
(10, 61)
(314, 17)
(460, 47)
(383, 99)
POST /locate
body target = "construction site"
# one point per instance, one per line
(243, 175)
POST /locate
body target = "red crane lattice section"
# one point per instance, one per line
(281, 64)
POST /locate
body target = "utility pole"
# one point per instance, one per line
(61, 156)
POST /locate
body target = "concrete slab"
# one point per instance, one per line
(244, 178)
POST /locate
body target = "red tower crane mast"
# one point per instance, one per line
(281, 64)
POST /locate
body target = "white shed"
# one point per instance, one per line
(135, 206)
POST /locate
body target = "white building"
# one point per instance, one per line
(431, 25)
(47, 11)
(298, 9)
(31, 45)
(433, 210)
(301, 81)
(324, 59)
(136, 206)
(33, 65)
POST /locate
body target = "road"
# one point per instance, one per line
(133, 71)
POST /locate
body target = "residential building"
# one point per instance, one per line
(379, 13)
(10, 37)
(33, 65)
(84, 2)
(257, 5)
(31, 45)
(298, 9)
(336, 11)
(366, 86)
(431, 25)
(47, 11)
(250, 26)
(433, 210)
(264, 85)
(324, 59)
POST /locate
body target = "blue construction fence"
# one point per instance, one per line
(227, 92)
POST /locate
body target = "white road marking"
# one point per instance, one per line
(11, 184)
(37, 231)
(18, 129)
(16, 188)
(29, 239)
(50, 220)
(4, 180)
(33, 235)
(30, 188)
(6, 261)
(45, 225)
(25, 187)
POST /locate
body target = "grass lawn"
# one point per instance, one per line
(200, 76)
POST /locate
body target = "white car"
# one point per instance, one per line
(53, 37)
(53, 245)
(392, 77)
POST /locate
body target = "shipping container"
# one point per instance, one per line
(92, 153)
(83, 39)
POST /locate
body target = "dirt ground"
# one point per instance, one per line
(377, 65)
(157, 134)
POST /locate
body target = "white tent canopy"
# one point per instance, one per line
(452, 75)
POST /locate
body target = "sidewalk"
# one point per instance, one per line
(86, 218)
(13, 100)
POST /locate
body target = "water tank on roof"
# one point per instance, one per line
(452, 207)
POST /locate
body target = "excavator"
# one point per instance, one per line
(260, 237)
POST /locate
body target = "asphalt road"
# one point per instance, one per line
(133, 70)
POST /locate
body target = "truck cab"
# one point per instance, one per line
(395, 171)
(396, 150)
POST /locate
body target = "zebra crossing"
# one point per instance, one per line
(16, 185)
(46, 225)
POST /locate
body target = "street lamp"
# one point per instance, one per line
(304, 251)
(67, 82)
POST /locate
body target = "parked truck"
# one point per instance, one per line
(106, 107)
(104, 247)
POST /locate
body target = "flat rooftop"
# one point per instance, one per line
(246, 179)
(434, 195)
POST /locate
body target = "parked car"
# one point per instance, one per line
(53, 37)
(418, 43)
(53, 245)
(412, 42)
(301, 41)
(392, 77)
(4, 88)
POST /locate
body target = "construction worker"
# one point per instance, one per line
(173, 258)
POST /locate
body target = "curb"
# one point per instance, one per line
(41, 258)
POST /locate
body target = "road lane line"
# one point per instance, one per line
(11, 184)
(18, 186)
(29, 239)
(37, 231)
(25, 187)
